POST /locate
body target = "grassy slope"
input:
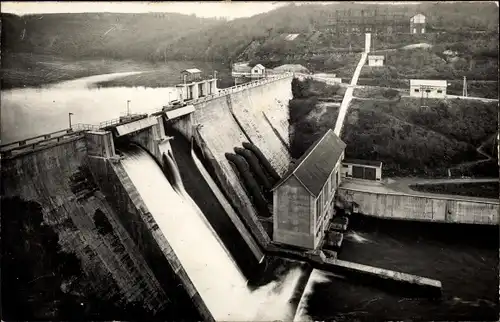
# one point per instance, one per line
(409, 140)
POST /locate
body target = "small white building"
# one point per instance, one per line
(426, 88)
(417, 24)
(362, 169)
(376, 60)
(258, 70)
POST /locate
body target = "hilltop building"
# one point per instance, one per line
(246, 70)
(376, 60)
(303, 199)
(417, 24)
(425, 88)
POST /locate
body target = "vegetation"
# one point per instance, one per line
(41, 280)
(408, 139)
(483, 190)
(165, 37)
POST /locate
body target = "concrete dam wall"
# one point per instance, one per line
(257, 114)
(408, 207)
(59, 179)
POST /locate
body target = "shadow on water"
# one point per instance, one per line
(463, 257)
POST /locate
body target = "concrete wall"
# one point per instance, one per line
(432, 94)
(146, 233)
(399, 206)
(293, 215)
(226, 121)
(346, 170)
(68, 205)
(150, 137)
(100, 144)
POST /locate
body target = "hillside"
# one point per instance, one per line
(179, 37)
(103, 35)
(408, 139)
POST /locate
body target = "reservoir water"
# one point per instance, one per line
(464, 258)
(28, 112)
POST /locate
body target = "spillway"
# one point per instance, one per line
(205, 259)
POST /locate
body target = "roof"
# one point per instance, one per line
(315, 165)
(192, 70)
(291, 37)
(418, 18)
(363, 162)
(428, 82)
(259, 66)
(376, 57)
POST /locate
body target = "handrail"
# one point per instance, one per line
(82, 127)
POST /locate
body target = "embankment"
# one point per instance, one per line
(408, 207)
(58, 178)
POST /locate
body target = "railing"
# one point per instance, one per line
(121, 119)
(34, 142)
(239, 88)
(28, 141)
(79, 128)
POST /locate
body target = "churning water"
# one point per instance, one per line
(209, 266)
(463, 257)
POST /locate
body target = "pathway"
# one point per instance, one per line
(401, 186)
(348, 95)
(480, 151)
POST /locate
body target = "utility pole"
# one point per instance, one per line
(69, 116)
(128, 107)
(464, 90)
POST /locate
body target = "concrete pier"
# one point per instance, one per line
(339, 223)
(416, 285)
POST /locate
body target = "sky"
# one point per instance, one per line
(201, 9)
(209, 9)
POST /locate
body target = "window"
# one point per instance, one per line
(423, 30)
(427, 90)
(440, 91)
(318, 208)
(417, 90)
(414, 30)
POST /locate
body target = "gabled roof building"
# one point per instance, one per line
(303, 198)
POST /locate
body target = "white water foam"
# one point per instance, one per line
(357, 237)
(316, 277)
(218, 280)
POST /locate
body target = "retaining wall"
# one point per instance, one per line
(49, 177)
(399, 206)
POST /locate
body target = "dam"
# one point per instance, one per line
(128, 170)
(149, 174)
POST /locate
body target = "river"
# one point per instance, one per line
(464, 258)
